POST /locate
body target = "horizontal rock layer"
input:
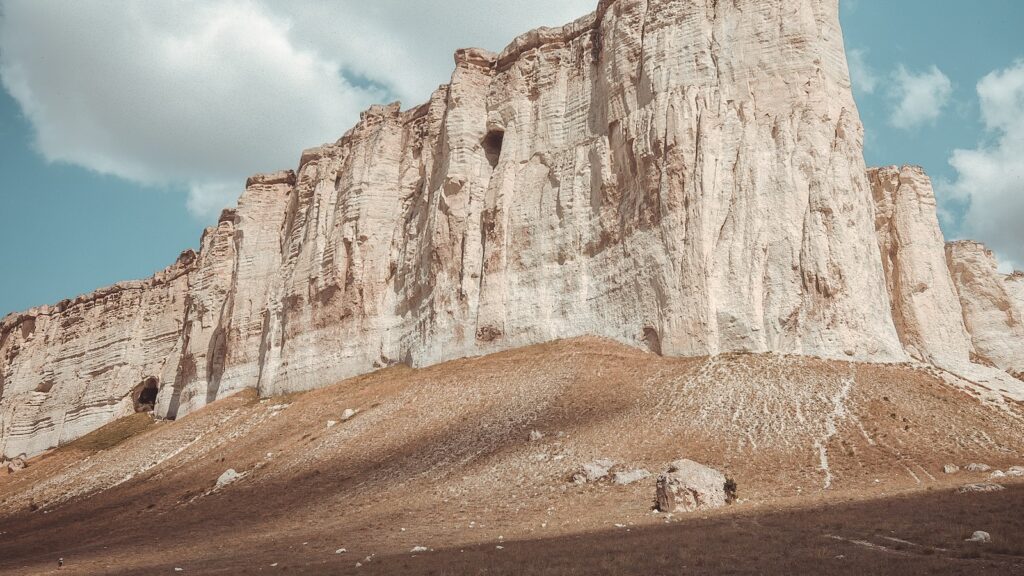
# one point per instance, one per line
(680, 175)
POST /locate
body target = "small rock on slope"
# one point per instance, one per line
(230, 476)
(980, 536)
(984, 487)
(593, 471)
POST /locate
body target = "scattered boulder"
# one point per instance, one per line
(984, 487)
(348, 414)
(536, 436)
(630, 477)
(978, 468)
(594, 471)
(331, 424)
(950, 469)
(230, 476)
(980, 536)
(17, 465)
(418, 549)
(688, 486)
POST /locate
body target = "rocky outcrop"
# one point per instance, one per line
(992, 307)
(15, 465)
(195, 329)
(613, 177)
(68, 369)
(682, 176)
(688, 486)
(935, 324)
(229, 292)
(925, 304)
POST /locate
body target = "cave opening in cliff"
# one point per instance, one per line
(493, 142)
(145, 395)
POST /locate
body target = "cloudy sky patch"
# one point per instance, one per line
(919, 97)
(201, 93)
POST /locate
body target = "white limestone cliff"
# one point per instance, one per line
(992, 305)
(680, 175)
(926, 302)
(926, 307)
(68, 369)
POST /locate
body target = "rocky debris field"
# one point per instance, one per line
(479, 462)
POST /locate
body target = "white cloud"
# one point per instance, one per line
(919, 97)
(863, 76)
(991, 177)
(210, 197)
(408, 46)
(201, 94)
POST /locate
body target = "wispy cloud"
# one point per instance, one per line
(861, 73)
(918, 97)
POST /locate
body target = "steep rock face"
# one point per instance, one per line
(680, 175)
(653, 173)
(925, 304)
(1015, 288)
(673, 193)
(229, 291)
(991, 305)
(194, 329)
(68, 369)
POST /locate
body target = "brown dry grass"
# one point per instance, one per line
(113, 434)
(444, 453)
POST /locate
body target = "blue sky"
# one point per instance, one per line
(124, 127)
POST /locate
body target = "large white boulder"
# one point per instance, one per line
(688, 486)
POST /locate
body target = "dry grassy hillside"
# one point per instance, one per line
(838, 463)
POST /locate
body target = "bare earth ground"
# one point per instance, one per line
(839, 468)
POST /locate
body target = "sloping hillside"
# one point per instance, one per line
(827, 456)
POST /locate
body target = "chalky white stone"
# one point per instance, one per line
(679, 175)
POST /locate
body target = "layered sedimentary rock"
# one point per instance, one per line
(651, 173)
(992, 305)
(68, 369)
(684, 176)
(229, 289)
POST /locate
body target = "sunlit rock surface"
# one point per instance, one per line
(686, 177)
(992, 305)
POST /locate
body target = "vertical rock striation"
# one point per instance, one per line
(992, 305)
(925, 303)
(681, 175)
(943, 314)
